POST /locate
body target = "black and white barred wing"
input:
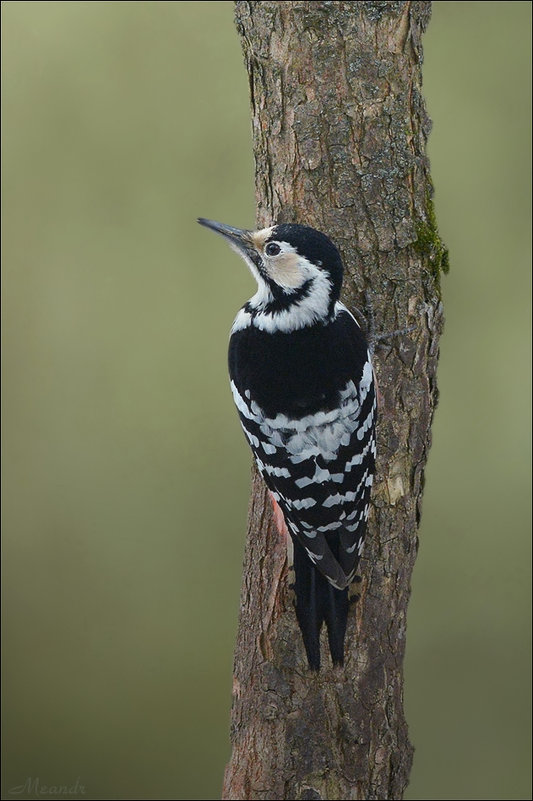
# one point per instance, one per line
(320, 470)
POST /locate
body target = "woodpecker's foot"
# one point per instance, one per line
(376, 339)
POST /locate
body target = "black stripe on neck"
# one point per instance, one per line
(282, 300)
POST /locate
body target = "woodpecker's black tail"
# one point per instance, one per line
(317, 601)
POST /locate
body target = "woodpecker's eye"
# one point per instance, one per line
(272, 249)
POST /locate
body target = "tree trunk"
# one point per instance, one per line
(339, 129)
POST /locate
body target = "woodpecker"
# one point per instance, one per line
(302, 381)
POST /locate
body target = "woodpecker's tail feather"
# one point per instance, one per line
(317, 601)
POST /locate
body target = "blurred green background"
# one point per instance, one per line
(125, 471)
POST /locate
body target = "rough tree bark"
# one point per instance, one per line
(339, 129)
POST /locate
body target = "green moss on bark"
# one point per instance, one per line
(429, 244)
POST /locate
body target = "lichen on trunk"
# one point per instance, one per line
(339, 136)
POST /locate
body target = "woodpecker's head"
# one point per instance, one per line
(298, 272)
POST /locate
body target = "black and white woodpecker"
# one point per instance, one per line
(302, 380)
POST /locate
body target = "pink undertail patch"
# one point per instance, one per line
(278, 517)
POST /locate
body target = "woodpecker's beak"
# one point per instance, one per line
(240, 239)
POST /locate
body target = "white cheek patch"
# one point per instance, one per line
(306, 311)
(287, 270)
